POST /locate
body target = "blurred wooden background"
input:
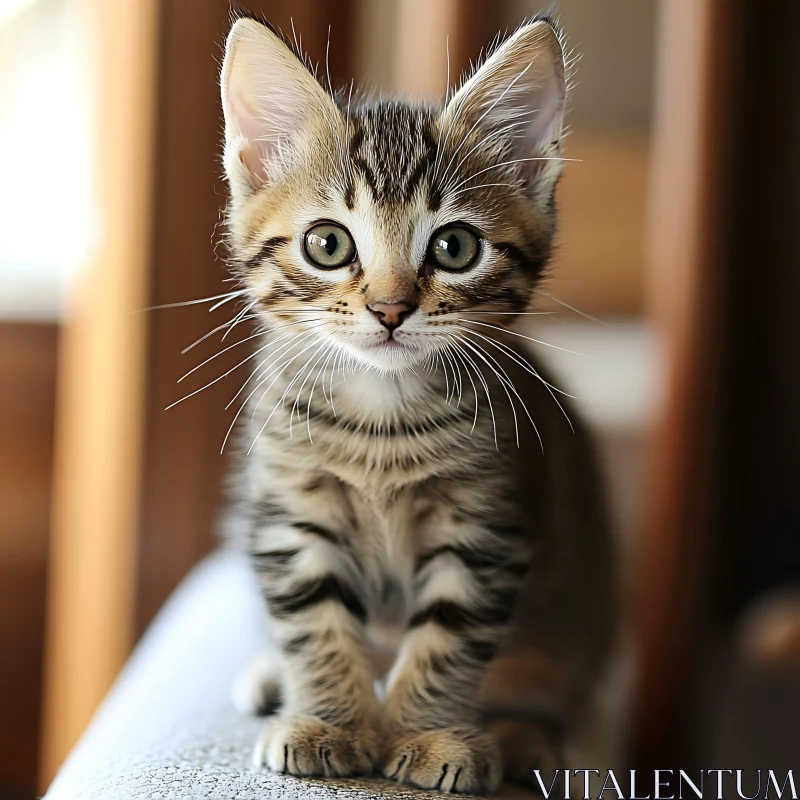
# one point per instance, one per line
(27, 406)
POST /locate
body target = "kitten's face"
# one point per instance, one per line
(382, 229)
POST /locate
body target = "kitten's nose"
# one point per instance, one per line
(392, 315)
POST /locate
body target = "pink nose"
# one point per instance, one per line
(392, 315)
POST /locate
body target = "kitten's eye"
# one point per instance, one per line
(453, 248)
(329, 246)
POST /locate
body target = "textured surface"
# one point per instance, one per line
(168, 730)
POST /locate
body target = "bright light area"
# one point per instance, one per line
(612, 371)
(10, 8)
(44, 159)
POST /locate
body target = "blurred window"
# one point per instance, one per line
(44, 158)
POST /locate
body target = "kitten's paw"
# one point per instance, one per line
(450, 760)
(308, 746)
(525, 748)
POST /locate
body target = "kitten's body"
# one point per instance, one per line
(396, 491)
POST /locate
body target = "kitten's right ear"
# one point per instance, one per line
(268, 95)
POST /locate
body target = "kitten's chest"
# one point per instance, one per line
(387, 617)
(387, 550)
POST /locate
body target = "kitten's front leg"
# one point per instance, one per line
(329, 718)
(433, 715)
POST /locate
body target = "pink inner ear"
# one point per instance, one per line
(246, 122)
(253, 159)
(545, 126)
(246, 119)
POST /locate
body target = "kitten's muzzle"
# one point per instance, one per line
(392, 315)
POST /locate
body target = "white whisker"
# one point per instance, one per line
(236, 344)
(261, 380)
(242, 317)
(216, 380)
(456, 375)
(296, 404)
(482, 186)
(260, 399)
(211, 333)
(455, 188)
(458, 355)
(340, 357)
(514, 313)
(347, 132)
(529, 338)
(457, 344)
(571, 308)
(227, 295)
(224, 374)
(439, 149)
(279, 404)
(446, 378)
(221, 303)
(504, 378)
(515, 357)
(484, 141)
(478, 352)
(330, 352)
(293, 339)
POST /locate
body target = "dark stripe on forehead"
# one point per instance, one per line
(349, 193)
(361, 164)
(435, 198)
(393, 149)
(424, 165)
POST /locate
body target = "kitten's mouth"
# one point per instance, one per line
(386, 345)
(390, 351)
(389, 340)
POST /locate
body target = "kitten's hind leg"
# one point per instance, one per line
(256, 689)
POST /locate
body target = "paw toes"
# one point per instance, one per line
(446, 760)
(307, 746)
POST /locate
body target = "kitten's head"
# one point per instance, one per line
(380, 228)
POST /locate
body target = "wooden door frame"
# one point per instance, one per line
(101, 378)
(688, 239)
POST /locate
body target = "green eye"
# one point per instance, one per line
(453, 248)
(329, 246)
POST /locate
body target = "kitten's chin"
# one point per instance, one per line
(390, 355)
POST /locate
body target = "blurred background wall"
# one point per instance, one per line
(676, 276)
(42, 188)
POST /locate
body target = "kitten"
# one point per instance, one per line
(412, 483)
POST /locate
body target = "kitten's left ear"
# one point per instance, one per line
(519, 92)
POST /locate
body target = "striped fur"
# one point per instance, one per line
(415, 503)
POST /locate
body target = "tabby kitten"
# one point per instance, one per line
(412, 486)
